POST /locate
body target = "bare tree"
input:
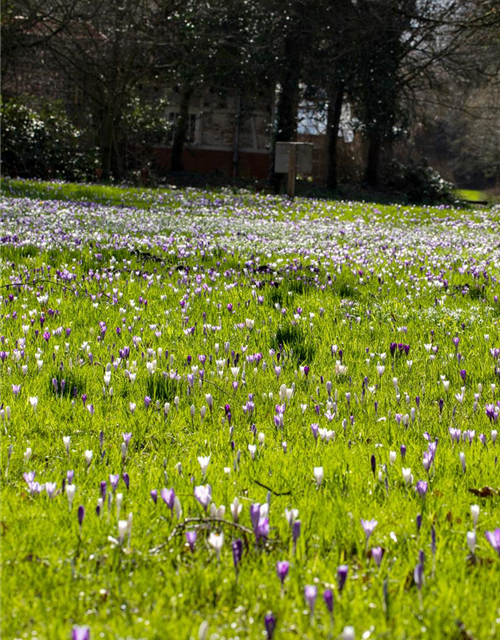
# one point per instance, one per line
(107, 49)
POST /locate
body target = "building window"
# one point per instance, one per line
(191, 130)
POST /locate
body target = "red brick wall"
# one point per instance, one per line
(250, 165)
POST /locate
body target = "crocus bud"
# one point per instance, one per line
(282, 568)
(191, 539)
(328, 598)
(70, 493)
(122, 530)
(462, 461)
(66, 442)
(342, 572)
(471, 541)
(270, 624)
(177, 508)
(237, 548)
(296, 531)
(474, 511)
(81, 515)
(310, 594)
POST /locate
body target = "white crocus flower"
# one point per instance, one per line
(318, 475)
(216, 540)
(204, 462)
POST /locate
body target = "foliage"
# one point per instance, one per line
(43, 142)
(420, 183)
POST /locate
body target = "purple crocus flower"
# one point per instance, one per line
(489, 409)
(81, 515)
(80, 633)
(463, 374)
(237, 547)
(369, 527)
(421, 488)
(255, 515)
(113, 481)
(310, 594)
(191, 539)
(154, 495)
(493, 538)
(419, 521)
(103, 487)
(296, 531)
(126, 438)
(270, 624)
(16, 389)
(168, 497)
(418, 575)
(29, 476)
(203, 494)
(377, 555)
(50, 488)
(342, 572)
(262, 529)
(282, 568)
(314, 430)
(126, 480)
(328, 598)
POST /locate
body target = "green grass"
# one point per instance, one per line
(357, 276)
(471, 195)
(141, 198)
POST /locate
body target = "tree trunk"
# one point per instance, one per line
(286, 111)
(181, 130)
(373, 162)
(106, 146)
(335, 100)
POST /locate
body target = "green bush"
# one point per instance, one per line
(43, 143)
(420, 183)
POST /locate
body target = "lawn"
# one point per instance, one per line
(228, 415)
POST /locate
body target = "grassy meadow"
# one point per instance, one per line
(228, 415)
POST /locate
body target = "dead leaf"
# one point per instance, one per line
(484, 492)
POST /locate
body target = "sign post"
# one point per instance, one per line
(292, 158)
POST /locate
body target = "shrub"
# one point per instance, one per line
(43, 143)
(420, 183)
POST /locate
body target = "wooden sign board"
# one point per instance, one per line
(303, 157)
